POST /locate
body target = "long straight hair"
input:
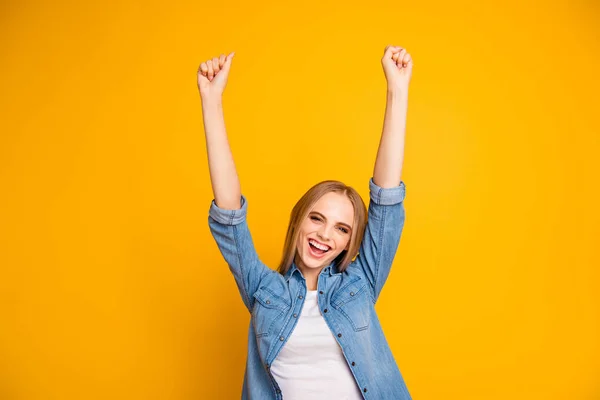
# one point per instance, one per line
(300, 213)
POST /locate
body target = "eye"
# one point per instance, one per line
(341, 228)
(314, 218)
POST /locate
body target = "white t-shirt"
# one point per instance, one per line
(311, 364)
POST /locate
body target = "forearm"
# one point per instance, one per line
(390, 155)
(223, 175)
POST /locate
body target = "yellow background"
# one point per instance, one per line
(111, 286)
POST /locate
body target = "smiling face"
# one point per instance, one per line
(325, 232)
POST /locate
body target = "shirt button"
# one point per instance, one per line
(353, 363)
(351, 293)
(300, 297)
(268, 301)
(281, 338)
(321, 292)
(325, 310)
(278, 391)
(295, 315)
(365, 390)
(339, 335)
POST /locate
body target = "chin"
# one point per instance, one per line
(314, 263)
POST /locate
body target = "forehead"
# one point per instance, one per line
(336, 207)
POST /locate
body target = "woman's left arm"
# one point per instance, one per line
(397, 65)
(386, 190)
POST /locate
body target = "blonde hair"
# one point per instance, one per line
(300, 213)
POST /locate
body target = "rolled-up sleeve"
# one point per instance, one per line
(387, 196)
(229, 217)
(230, 230)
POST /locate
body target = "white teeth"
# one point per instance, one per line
(319, 246)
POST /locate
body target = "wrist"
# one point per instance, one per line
(395, 92)
(211, 98)
(397, 97)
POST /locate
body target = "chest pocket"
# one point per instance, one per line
(352, 300)
(269, 309)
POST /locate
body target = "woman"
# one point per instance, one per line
(314, 333)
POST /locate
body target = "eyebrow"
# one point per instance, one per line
(322, 216)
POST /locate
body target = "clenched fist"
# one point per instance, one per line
(397, 66)
(212, 75)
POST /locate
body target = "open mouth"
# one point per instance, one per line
(316, 248)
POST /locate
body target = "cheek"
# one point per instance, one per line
(343, 243)
(305, 227)
(299, 242)
(301, 238)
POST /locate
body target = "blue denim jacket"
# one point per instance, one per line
(346, 299)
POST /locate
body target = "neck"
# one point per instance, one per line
(311, 275)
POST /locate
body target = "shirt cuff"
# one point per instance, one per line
(387, 196)
(228, 217)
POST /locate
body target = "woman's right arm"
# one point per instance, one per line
(227, 214)
(223, 175)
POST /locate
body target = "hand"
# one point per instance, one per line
(212, 75)
(397, 66)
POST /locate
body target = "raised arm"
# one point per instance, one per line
(386, 190)
(227, 213)
(397, 65)
(212, 79)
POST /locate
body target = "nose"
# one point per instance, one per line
(323, 233)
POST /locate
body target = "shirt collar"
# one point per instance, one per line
(290, 271)
(331, 269)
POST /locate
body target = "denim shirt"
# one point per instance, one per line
(346, 299)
